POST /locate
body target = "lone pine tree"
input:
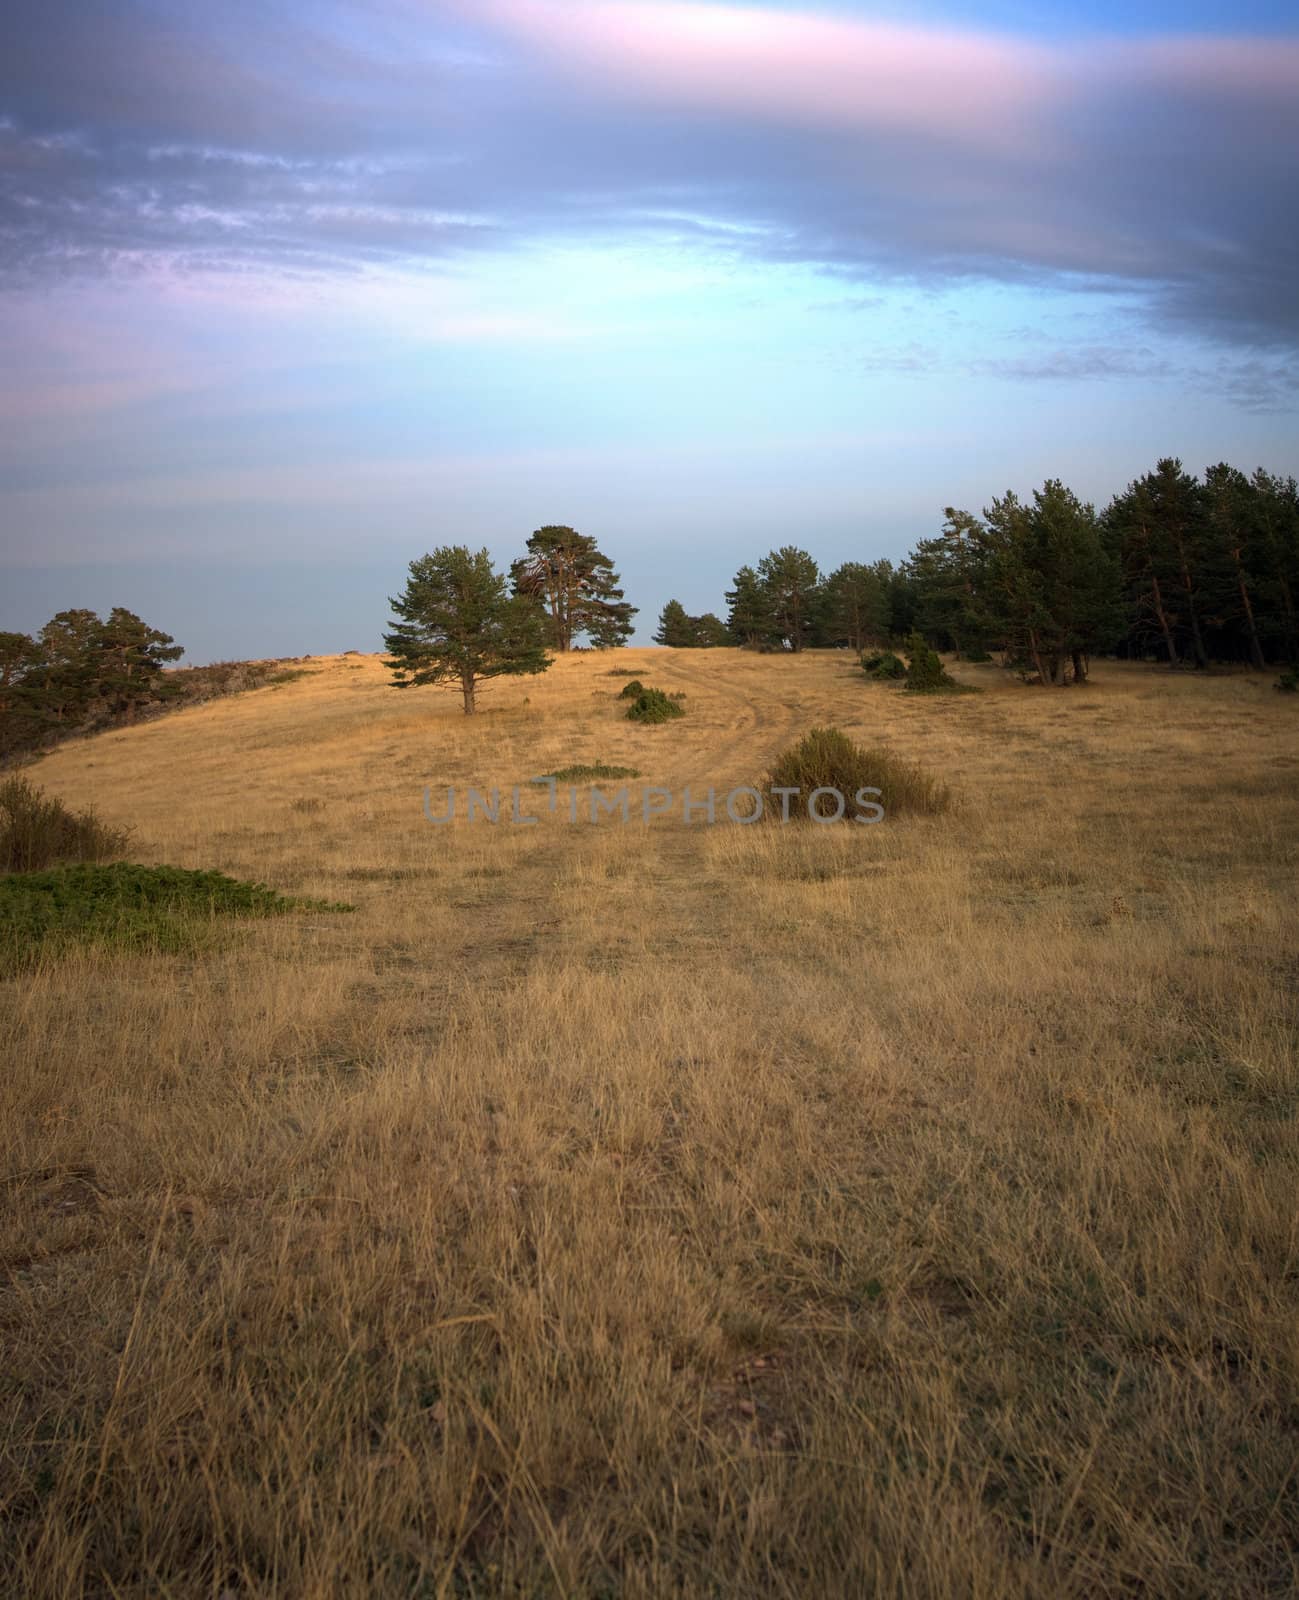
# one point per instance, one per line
(461, 625)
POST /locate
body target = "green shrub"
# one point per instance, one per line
(826, 758)
(632, 690)
(884, 665)
(926, 673)
(37, 831)
(126, 907)
(652, 705)
(1288, 682)
(597, 770)
(979, 657)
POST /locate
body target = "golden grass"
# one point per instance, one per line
(601, 1210)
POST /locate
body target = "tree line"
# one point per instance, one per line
(81, 672)
(1176, 568)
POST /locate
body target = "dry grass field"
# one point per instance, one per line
(608, 1210)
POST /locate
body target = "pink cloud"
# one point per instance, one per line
(816, 71)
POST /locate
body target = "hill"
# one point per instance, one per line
(642, 1209)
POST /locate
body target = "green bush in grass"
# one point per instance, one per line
(652, 705)
(826, 758)
(126, 907)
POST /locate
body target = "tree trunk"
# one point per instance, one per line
(1167, 631)
(1255, 649)
(1291, 631)
(1079, 666)
(467, 686)
(1197, 640)
(1037, 657)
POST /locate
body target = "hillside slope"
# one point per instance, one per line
(625, 1209)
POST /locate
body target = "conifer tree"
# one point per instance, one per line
(577, 586)
(63, 689)
(792, 583)
(1232, 531)
(855, 611)
(128, 657)
(460, 625)
(1051, 584)
(748, 617)
(709, 632)
(675, 628)
(1276, 546)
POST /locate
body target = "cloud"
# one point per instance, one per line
(281, 141)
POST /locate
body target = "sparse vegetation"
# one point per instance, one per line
(39, 831)
(674, 1210)
(1288, 682)
(592, 772)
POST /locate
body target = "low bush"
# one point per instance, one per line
(883, 666)
(1288, 682)
(632, 690)
(125, 907)
(826, 758)
(38, 831)
(652, 705)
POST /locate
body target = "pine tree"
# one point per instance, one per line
(63, 687)
(748, 617)
(792, 583)
(1232, 529)
(128, 659)
(1051, 584)
(19, 660)
(676, 628)
(947, 575)
(856, 605)
(460, 624)
(578, 587)
(1276, 546)
(708, 632)
(1165, 556)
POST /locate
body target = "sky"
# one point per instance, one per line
(293, 293)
